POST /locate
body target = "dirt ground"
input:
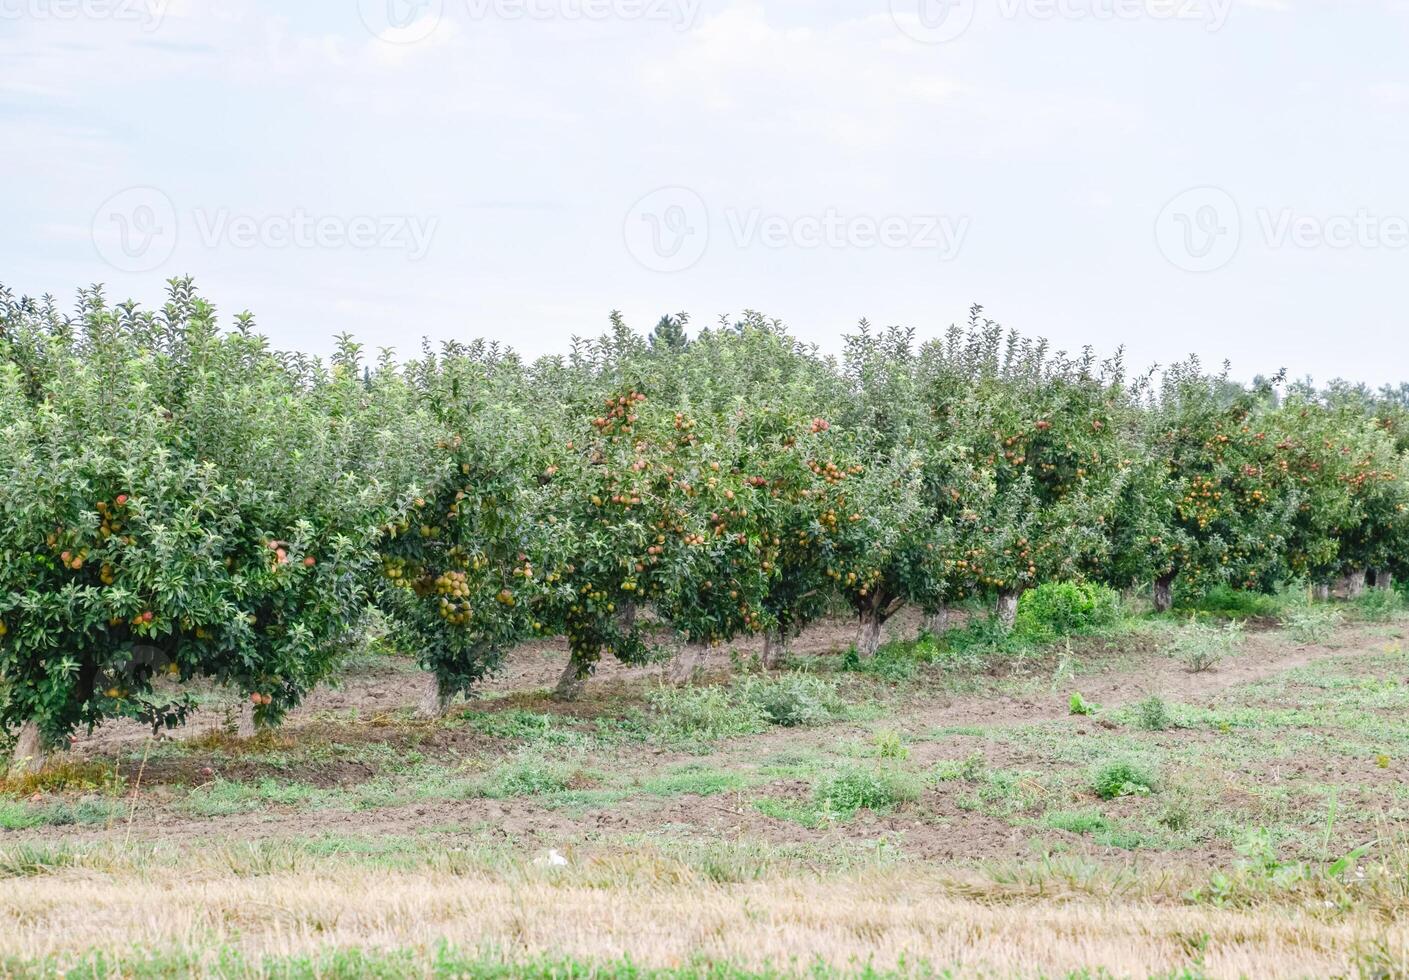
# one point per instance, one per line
(1297, 744)
(937, 830)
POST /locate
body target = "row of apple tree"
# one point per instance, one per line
(179, 501)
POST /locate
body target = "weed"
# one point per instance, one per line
(1201, 647)
(1080, 706)
(1311, 624)
(693, 780)
(856, 788)
(790, 700)
(1076, 822)
(744, 708)
(898, 660)
(968, 770)
(702, 714)
(1152, 715)
(1122, 778)
(1378, 605)
(1002, 794)
(65, 776)
(528, 776)
(1056, 609)
(528, 727)
(1224, 601)
(889, 745)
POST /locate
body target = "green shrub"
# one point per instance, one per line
(1152, 715)
(1201, 646)
(528, 776)
(1001, 793)
(1080, 706)
(970, 769)
(703, 713)
(1378, 605)
(1122, 778)
(1224, 600)
(790, 700)
(1056, 609)
(890, 746)
(857, 788)
(1311, 624)
(743, 708)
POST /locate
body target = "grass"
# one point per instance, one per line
(1121, 836)
(1200, 646)
(1312, 623)
(1122, 778)
(842, 793)
(900, 920)
(692, 715)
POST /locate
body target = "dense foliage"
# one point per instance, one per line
(179, 501)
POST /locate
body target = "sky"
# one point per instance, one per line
(1219, 177)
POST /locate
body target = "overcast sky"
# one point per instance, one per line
(1224, 177)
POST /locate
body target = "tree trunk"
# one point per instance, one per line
(573, 680)
(937, 621)
(1321, 592)
(868, 635)
(1384, 579)
(688, 662)
(245, 726)
(1008, 609)
(1355, 584)
(775, 648)
(1164, 593)
(433, 703)
(29, 754)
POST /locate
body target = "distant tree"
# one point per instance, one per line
(669, 333)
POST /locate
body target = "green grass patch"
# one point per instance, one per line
(1123, 778)
(693, 780)
(745, 707)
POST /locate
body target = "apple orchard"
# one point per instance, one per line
(182, 504)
